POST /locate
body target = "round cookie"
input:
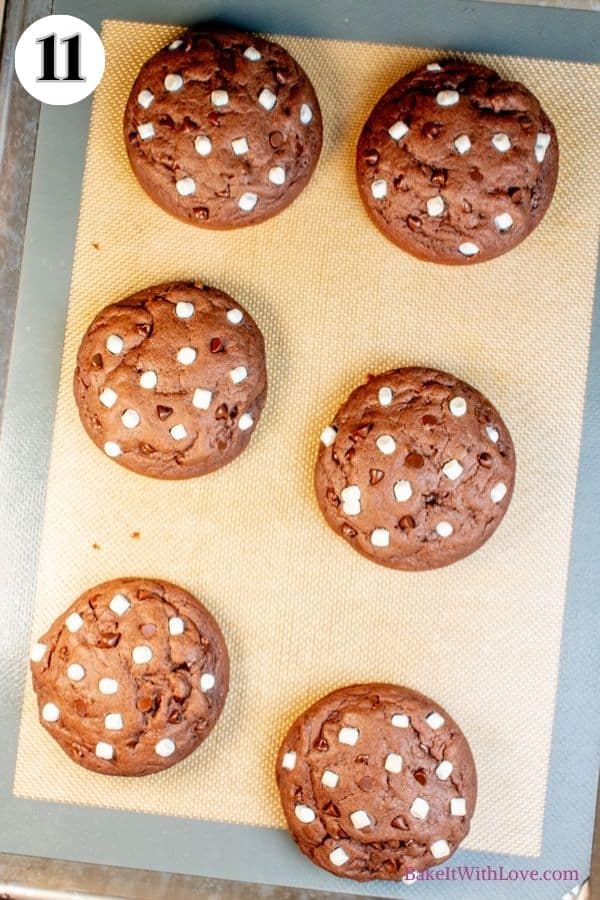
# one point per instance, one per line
(456, 165)
(132, 677)
(223, 128)
(376, 781)
(171, 381)
(416, 470)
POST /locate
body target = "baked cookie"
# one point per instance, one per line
(376, 781)
(223, 128)
(416, 470)
(456, 165)
(171, 381)
(132, 677)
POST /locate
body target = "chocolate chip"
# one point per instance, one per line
(200, 212)
(145, 704)
(414, 222)
(363, 431)
(420, 775)
(148, 629)
(97, 361)
(200, 726)
(415, 461)
(362, 759)
(174, 716)
(485, 460)
(429, 420)
(167, 121)
(146, 448)
(525, 122)
(399, 822)
(144, 328)
(348, 531)
(466, 206)
(322, 745)
(163, 412)
(475, 175)
(107, 640)
(214, 118)
(349, 454)
(375, 475)
(276, 139)
(407, 523)
(330, 809)
(80, 708)
(366, 784)
(332, 496)
(440, 177)
(431, 499)
(222, 412)
(431, 130)
(216, 345)
(400, 183)
(515, 194)
(371, 156)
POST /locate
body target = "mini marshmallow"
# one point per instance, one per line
(328, 435)
(239, 374)
(104, 750)
(403, 491)
(112, 449)
(386, 444)
(113, 722)
(252, 54)
(108, 686)
(219, 98)
(130, 418)
(173, 82)
(462, 144)
(434, 67)
(201, 398)
(178, 432)
(246, 422)
(146, 131)
(141, 654)
(165, 747)
(467, 248)
(439, 849)
(148, 379)
(108, 398)
(248, 201)
(400, 720)
(434, 720)
(398, 130)
(444, 770)
(235, 316)
(352, 508)
(50, 713)
(186, 356)
(444, 529)
(458, 806)
(330, 779)
(420, 808)
(184, 309)
(119, 604)
(306, 114)
(360, 819)
(76, 672)
(267, 99)
(503, 222)
(207, 682)
(435, 206)
(458, 406)
(380, 537)
(351, 493)
(379, 189)
(186, 186)
(289, 761)
(74, 622)
(542, 142)
(393, 763)
(385, 396)
(240, 146)
(501, 142)
(452, 469)
(304, 814)
(492, 433)
(145, 98)
(38, 651)
(447, 98)
(203, 145)
(175, 45)
(498, 492)
(348, 735)
(114, 344)
(176, 626)
(338, 857)
(277, 175)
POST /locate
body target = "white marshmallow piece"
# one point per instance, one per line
(435, 206)
(108, 686)
(306, 114)
(113, 722)
(289, 761)
(501, 142)
(175, 45)
(248, 201)
(386, 444)
(108, 398)
(434, 67)
(114, 344)
(119, 604)
(186, 356)
(146, 131)
(239, 374)
(380, 537)
(201, 398)
(458, 406)
(393, 763)
(444, 529)
(304, 814)
(165, 747)
(75, 672)
(50, 712)
(173, 82)
(348, 735)
(462, 144)
(444, 770)
(235, 316)
(207, 682)
(240, 146)
(447, 98)
(440, 849)
(141, 654)
(104, 750)
(112, 449)
(452, 469)
(330, 779)
(38, 651)
(186, 186)
(398, 130)
(145, 98)
(498, 492)
(503, 222)
(74, 622)
(184, 309)
(350, 494)
(277, 175)
(219, 98)
(492, 433)
(458, 806)
(403, 491)
(176, 626)
(385, 396)
(130, 418)
(542, 142)
(360, 819)
(203, 145)
(379, 189)
(468, 248)
(148, 380)
(434, 720)
(400, 720)
(328, 435)
(178, 432)
(246, 422)
(420, 808)
(267, 99)
(338, 857)
(252, 54)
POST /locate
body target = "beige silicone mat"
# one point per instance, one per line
(301, 612)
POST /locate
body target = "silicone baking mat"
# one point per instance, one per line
(301, 612)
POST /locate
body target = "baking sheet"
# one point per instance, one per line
(301, 613)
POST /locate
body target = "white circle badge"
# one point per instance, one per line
(59, 60)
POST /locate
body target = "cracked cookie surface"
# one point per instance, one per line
(132, 677)
(456, 165)
(416, 470)
(222, 128)
(376, 780)
(171, 381)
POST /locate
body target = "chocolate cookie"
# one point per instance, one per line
(132, 677)
(171, 381)
(416, 470)
(223, 128)
(456, 165)
(376, 781)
